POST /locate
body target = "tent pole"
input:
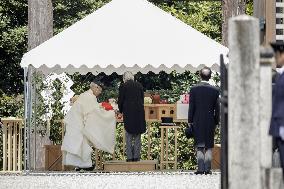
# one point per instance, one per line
(34, 101)
(25, 117)
(28, 121)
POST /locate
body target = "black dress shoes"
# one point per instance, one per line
(208, 172)
(198, 172)
(89, 168)
(132, 160)
(85, 169)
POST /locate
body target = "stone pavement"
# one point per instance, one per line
(145, 180)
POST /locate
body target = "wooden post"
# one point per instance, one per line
(259, 8)
(15, 149)
(230, 8)
(20, 143)
(40, 29)
(4, 146)
(167, 147)
(265, 10)
(97, 158)
(243, 101)
(101, 159)
(270, 17)
(9, 147)
(149, 140)
(259, 12)
(175, 165)
(162, 149)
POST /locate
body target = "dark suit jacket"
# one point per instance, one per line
(131, 104)
(204, 112)
(277, 118)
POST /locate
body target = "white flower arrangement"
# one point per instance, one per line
(147, 100)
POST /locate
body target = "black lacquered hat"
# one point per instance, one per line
(97, 81)
(278, 46)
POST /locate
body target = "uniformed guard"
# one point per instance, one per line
(277, 119)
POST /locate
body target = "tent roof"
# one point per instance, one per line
(124, 35)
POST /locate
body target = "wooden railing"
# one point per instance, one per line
(12, 144)
(13, 136)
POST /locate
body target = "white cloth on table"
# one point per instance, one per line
(87, 123)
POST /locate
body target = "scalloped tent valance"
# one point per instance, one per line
(125, 35)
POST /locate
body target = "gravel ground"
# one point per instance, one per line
(149, 180)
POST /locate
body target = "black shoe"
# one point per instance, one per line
(85, 169)
(198, 172)
(208, 172)
(129, 160)
(136, 159)
(89, 168)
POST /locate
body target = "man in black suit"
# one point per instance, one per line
(131, 105)
(204, 115)
(277, 119)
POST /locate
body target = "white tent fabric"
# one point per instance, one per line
(125, 35)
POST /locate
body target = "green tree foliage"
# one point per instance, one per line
(13, 34)
(249, 7)
(203, 16)
(13, 43)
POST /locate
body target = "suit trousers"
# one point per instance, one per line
(204, 158)
(133, 146)
(280, 144)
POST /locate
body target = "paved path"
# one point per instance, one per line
(149, 180)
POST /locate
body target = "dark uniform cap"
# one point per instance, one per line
(278, 46)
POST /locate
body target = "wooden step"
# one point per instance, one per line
(123, 166)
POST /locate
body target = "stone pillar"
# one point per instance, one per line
(243, 102)
(275, 178)
(265, 98)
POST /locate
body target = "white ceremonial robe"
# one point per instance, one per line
(87, 123)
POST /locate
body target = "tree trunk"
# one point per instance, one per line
(230, 8)
(40, 23)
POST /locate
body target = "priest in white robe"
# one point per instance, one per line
(87, 124)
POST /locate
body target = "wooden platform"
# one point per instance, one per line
(216, 160)
(123, 166)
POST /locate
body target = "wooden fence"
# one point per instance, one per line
(12, 144)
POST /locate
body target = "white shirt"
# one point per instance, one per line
(203, 81)
(280, 70)
(281, 128)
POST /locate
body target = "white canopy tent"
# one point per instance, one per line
(131, 35)
(124, 35)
